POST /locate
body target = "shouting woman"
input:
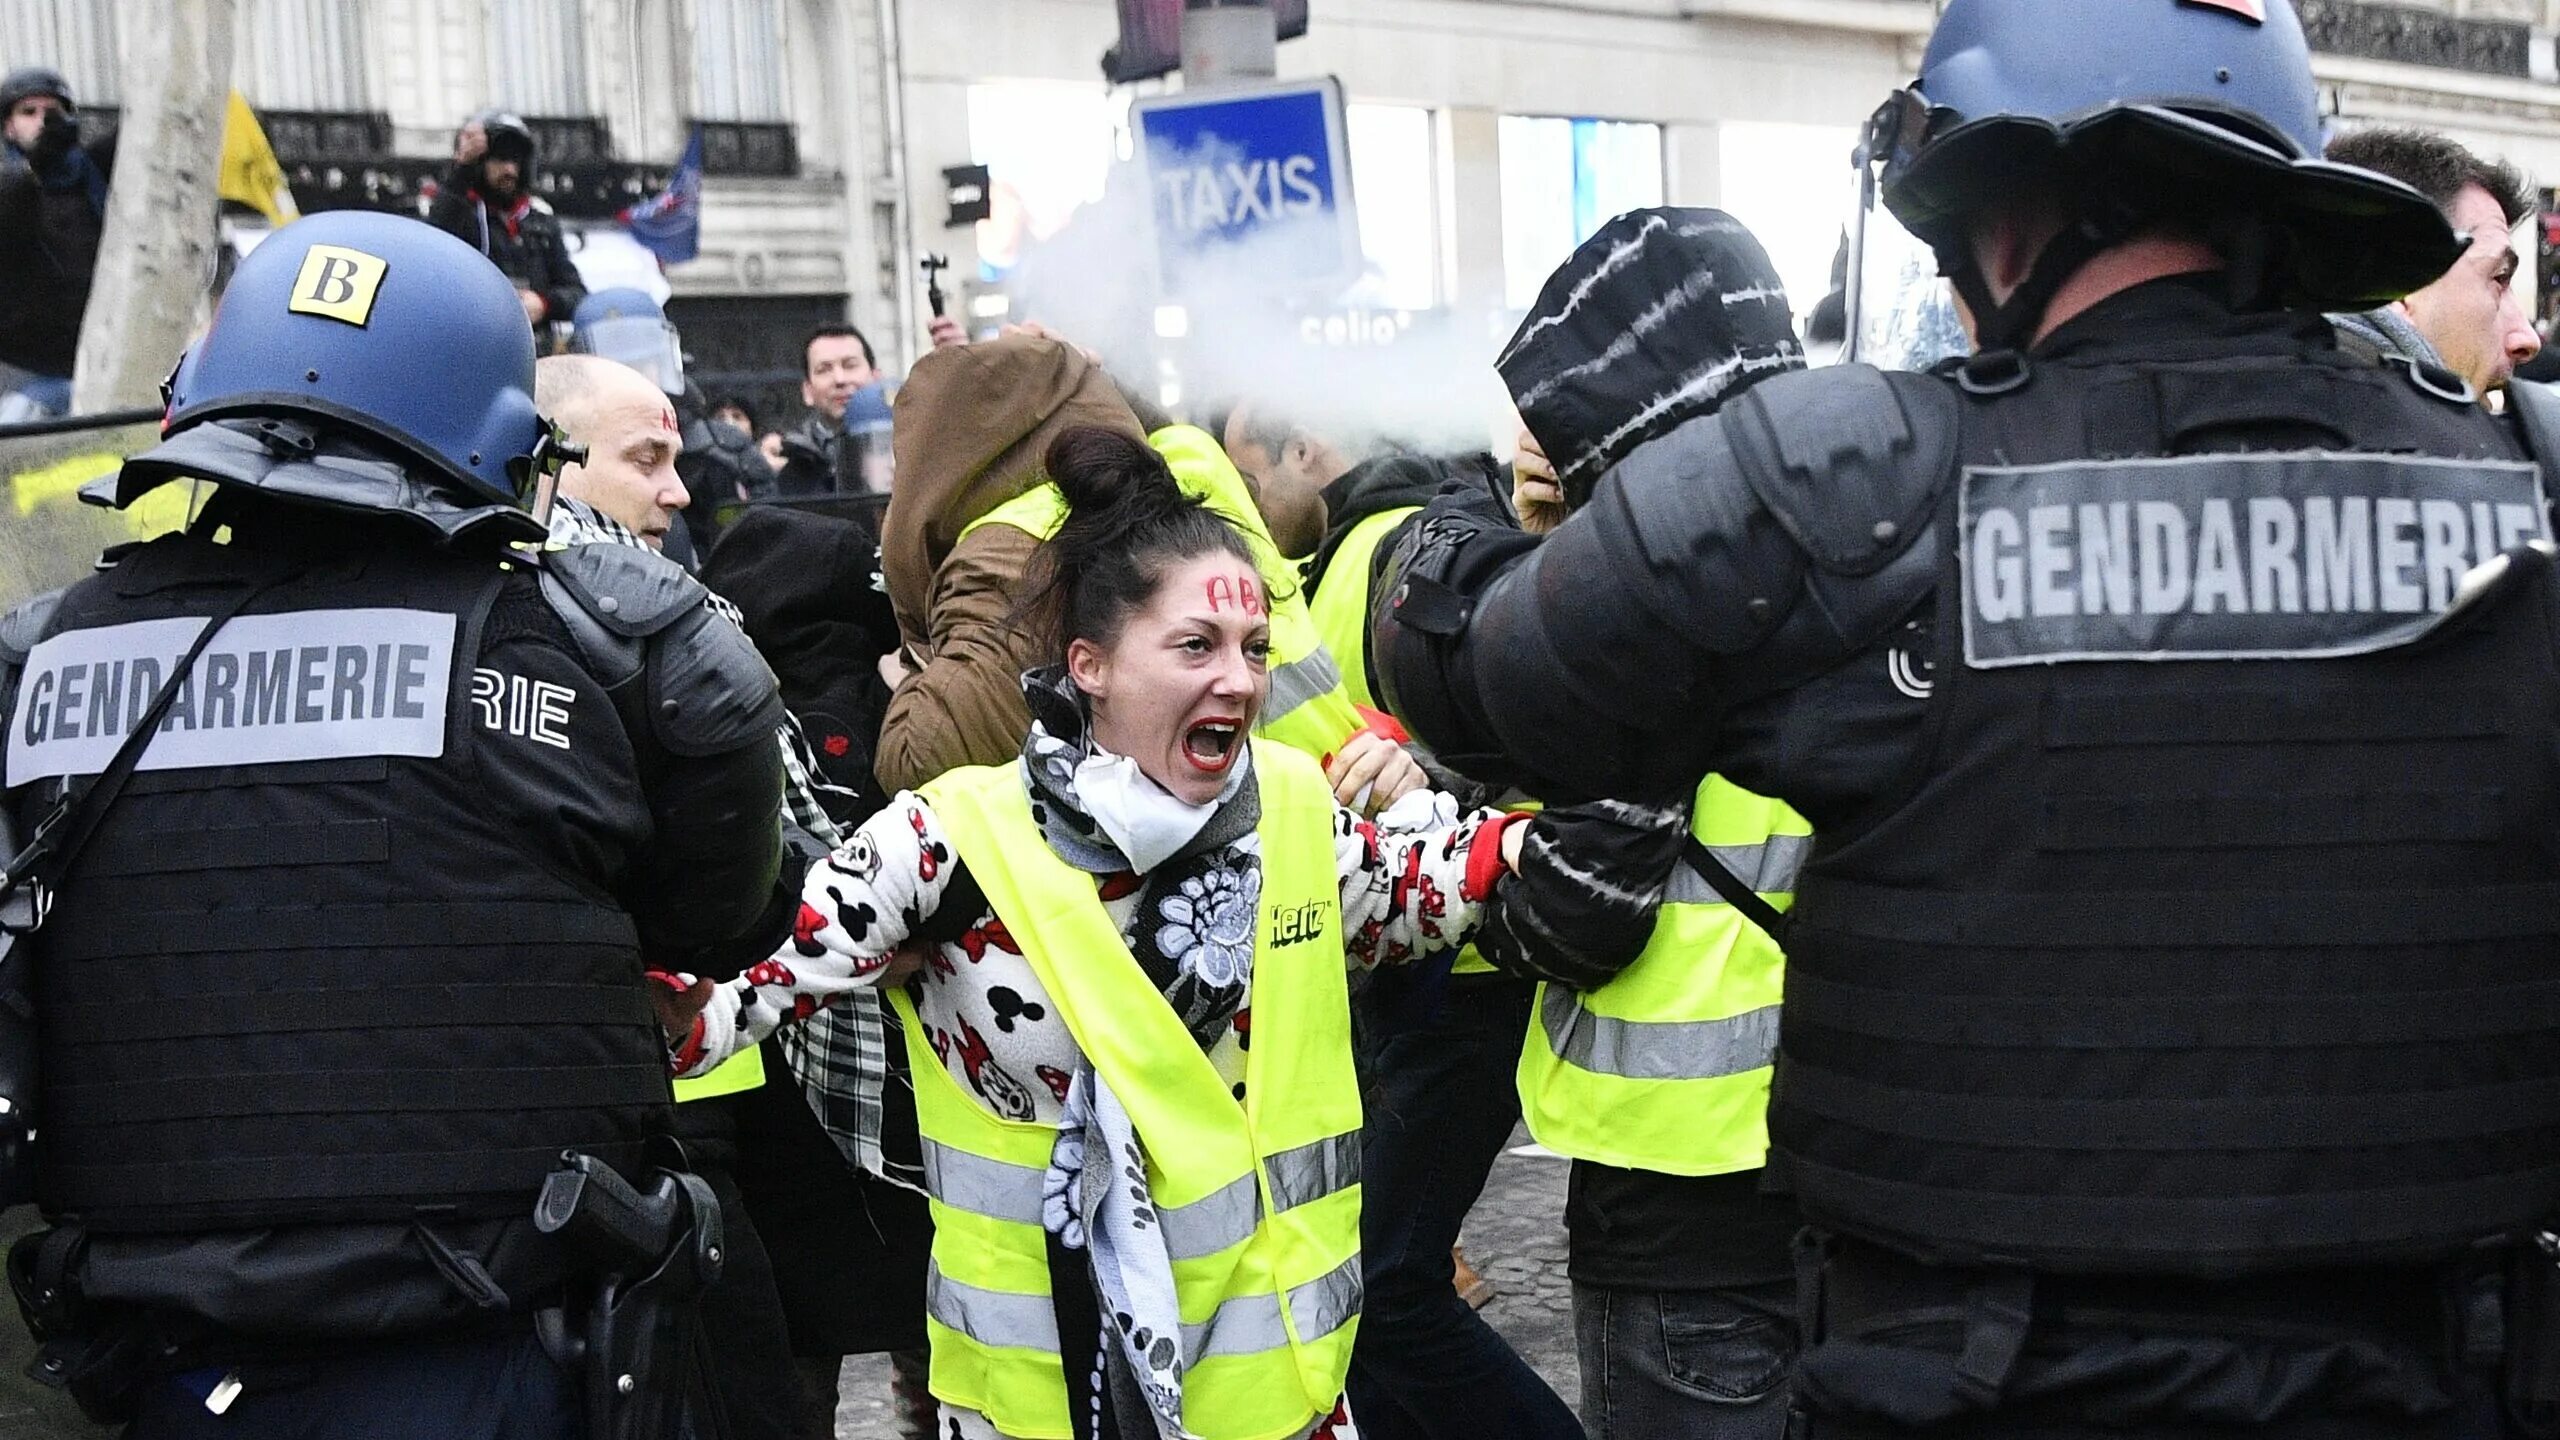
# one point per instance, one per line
(1128, 1022)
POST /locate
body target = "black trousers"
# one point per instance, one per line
(496, 1388)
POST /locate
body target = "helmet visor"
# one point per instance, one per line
(644, 343)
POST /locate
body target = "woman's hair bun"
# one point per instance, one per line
(1100, 470)
(1127, 521)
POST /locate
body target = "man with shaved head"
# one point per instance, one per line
(629, 428)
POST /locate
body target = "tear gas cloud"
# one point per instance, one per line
(1326, 356)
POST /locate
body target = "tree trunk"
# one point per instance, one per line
(156, 257)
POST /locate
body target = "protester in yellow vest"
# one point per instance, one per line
(1129, 1025)
(1310, 709)
(1653, 1076)
(1437, 1054)
(970, 508)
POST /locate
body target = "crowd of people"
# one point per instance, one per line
(2018, 876)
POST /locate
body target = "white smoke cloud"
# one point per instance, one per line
(1329, 357)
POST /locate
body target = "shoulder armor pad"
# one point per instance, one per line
(1848, 459)
(2535, 409)
(709, 691)
(634, 593)
(21, 628)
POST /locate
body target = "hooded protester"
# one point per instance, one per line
(53, 206)
(1682, 1279)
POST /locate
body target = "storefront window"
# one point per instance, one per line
(1561, 181)
(1393, 183)
(1792, 185)
(1048, 148)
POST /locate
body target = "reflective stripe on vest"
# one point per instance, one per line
(1003, 1191)
(1243, 1325)
(1340, 606)
(1656, 1049)
(1666, 1068)
(1270, 1307)
(1307, 680)
(1309, 709)
(1768, 866)
(739, 1073)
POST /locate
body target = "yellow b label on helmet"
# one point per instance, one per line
(338, 283)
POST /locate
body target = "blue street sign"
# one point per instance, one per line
(1258, 178)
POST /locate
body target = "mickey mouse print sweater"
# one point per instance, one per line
(1405, 894)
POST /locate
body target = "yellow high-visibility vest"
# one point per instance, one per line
(1341, 604)
(1666, 1068)
(1259, 1200)
(1308, 709)
(740, 1072)
(1340, 608)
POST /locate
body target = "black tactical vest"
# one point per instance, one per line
(2160, 962)
(322, 989)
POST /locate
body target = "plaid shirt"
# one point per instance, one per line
(841, 1054)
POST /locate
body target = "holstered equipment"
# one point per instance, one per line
(636, 1334)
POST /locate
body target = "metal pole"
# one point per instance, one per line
(65, 424)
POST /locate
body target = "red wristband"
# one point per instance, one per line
(1484, 856)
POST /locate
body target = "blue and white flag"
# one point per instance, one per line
(670, 222)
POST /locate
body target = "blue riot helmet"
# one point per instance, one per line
(362, 332)
(2142, 110)
(626, 325)
(867, 462)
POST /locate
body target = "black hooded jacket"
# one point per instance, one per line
(1393, 481)
(50, 228)
(520, 236)
(804, 583)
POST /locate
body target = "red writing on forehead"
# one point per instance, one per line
(1238, 591)
(666, 419)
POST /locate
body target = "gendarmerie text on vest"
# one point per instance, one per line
(305, 686)
(2227, 555)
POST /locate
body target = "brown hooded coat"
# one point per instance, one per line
(972, 423)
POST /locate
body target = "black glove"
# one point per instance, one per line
(61, 132)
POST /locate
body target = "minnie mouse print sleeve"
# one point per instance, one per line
(1415, 881)
(875, 892)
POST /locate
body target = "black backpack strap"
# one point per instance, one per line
(1736, 893)
(59, 837)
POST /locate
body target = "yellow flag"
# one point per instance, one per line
(251, 173)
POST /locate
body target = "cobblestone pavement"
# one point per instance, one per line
(1515, 1237)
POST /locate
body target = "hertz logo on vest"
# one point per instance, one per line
(316, 685)
(2226, 557)
(1297, 924)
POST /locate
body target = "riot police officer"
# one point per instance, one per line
(357, 823)
(719, 462)
(2170, 1038)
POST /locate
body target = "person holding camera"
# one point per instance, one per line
(486, 200)
(53, 211)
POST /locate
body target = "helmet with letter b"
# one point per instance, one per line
(362, 361)
(2198, 112)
